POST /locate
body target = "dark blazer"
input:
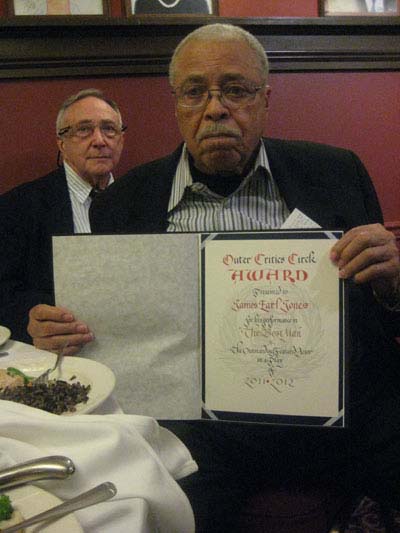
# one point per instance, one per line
(29, 215)
(330, 185)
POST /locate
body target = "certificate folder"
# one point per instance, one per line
(242, 326)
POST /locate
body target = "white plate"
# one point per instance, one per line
(31, 500)
(88, 372)
(5, 334)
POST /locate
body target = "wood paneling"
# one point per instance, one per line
(54, 46)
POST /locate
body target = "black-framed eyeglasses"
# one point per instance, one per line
(85, 130)
(232, 95)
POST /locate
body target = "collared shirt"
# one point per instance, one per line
(255, 205)
(79, 193)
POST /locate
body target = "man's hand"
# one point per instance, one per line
(369, 254)
(51, 328)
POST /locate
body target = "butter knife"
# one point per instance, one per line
(51, 467)
(98, 494)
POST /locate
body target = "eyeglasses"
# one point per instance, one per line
(86, 130)
(231, 95)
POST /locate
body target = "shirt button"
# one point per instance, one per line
(197, 187)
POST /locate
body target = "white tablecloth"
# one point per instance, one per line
(141, 458)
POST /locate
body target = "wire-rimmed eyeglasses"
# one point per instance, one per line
(83, 130)
(231, 95)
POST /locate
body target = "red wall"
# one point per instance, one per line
(359, 111)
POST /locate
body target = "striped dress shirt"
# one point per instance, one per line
(255, 205)
(79, 193)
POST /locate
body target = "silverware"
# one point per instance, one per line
(54, 466)
(44, 377)
(98, 494)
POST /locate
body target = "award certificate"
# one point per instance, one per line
(273, 328)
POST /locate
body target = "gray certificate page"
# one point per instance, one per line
(139, 294)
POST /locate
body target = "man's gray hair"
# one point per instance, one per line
(221, 32)
(85, 93)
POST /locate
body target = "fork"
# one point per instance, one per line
(98, 494)
(44, 377)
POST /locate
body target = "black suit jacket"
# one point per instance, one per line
(331, 186)
(29, 215)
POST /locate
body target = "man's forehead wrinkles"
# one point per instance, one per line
(91, 121)
(232, 76)
(194, 78)
(221, 78)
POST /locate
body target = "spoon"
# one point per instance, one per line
(98, 494)
(50, 467)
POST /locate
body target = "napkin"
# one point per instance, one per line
(140, 457)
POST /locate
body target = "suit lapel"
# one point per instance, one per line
(155, 208)
(296, 188)
(57, 204)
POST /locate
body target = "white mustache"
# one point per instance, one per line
(216, 130)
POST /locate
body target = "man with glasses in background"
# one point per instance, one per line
(90, 140)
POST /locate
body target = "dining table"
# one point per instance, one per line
(143, 459)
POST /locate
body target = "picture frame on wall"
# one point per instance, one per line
(57, 7)
(359, 7)
(171, 7)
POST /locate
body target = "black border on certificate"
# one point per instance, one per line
(340, 420)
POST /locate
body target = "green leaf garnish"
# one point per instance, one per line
(11, 371)
(6, 509)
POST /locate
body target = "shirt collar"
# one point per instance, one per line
(183, 177)
(78, 186)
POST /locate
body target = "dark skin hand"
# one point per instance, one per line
(51, 328)
(369, 254)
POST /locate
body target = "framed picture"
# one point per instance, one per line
(171, 7)
(58, 7)
(359, 7)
